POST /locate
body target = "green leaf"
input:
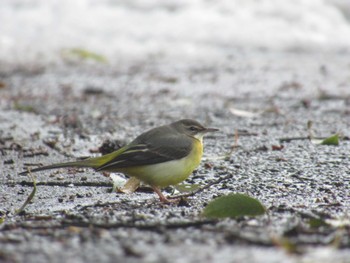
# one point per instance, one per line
(233, 205)
(333, 140)
(317, 222)
(288, 245)
(23, 107)
(83, 54)
(186, 188)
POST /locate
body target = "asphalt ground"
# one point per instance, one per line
(262, 103)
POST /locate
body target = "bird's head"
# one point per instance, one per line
(192, 128)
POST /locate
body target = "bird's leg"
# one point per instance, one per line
(162, 198)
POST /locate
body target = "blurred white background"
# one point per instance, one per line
(127, 30)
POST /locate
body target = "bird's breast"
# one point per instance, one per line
(170, 172)
(196, 153)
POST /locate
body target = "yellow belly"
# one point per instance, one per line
(168, 173)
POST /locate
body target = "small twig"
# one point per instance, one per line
(293, 139)
(235, 144)
(30, 197)
(345, 138)
(32, 164)
(85, 224)
(64, 184)
(54, 147)
(154, 227)
(228, 176)
(98, 204)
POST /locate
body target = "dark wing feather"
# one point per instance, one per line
(155, 146)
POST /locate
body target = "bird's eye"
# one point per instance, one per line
(192, 128)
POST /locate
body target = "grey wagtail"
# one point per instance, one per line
(160, 157)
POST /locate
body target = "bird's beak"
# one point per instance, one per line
(210, 130)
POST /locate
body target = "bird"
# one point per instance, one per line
(160, 157)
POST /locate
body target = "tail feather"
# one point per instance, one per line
(59, 165)
(94, 162)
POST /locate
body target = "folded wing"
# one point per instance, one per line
(151, 148)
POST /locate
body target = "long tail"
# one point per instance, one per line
(58, 165)
(94, 163)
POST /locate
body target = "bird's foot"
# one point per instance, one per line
(162, 198)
